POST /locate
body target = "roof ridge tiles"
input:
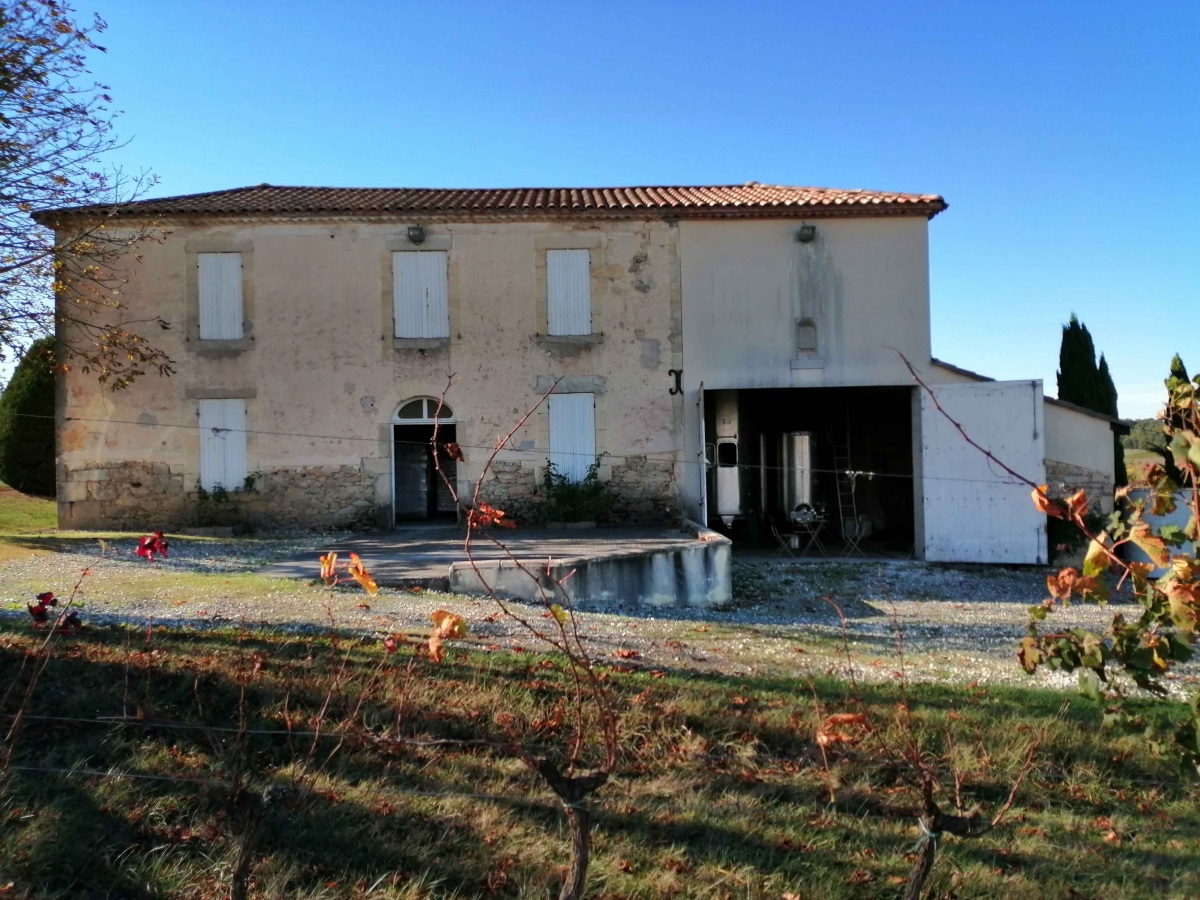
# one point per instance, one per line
(748, 199)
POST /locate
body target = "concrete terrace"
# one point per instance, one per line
(611, 566)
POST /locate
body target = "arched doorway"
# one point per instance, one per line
(418, 489)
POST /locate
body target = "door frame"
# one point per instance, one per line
(429, 406)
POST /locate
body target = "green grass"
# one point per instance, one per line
(23, 512)
(720, 790)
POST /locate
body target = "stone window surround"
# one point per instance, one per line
(191, 475)
(571, 240)
(399, 243)
(208, 347)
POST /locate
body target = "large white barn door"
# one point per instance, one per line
(974, 510)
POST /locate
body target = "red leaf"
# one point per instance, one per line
(151, 544)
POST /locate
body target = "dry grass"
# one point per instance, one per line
(22, 514)
(720, 791)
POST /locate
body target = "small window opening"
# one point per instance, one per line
(806, 336)
(727, 453)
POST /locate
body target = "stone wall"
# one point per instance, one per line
(644, 487)
(1064, 478)
(141, 496)
(512, 487)
(645, 490)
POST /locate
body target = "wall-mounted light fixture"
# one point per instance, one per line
(806, 234)
(416, 234)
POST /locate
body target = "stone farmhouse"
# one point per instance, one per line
(726, 354)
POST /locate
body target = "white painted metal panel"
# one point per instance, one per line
(420, 295)
(220, 288)
(572, 433)
(569, 291)
(974, 511)
(222, 444)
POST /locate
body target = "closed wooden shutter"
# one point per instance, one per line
(573, 433)
(220, 287)
(420, 295)
(222, 444)
(569, 292)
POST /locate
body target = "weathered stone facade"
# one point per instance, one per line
(645, 490)
(141, 495)
(512, 487)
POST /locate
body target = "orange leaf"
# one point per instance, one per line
(1060, 585)
(361, 575)
(1077, 504)
(1150, 544)
(436, 653)
(1046, 505)
(447, 625)
(329, 568)
(453, 451)
(626, 654)
(827, 733)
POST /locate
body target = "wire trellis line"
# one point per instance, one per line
(668, 456)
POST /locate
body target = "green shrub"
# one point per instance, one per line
(575, 501)
(27, 423)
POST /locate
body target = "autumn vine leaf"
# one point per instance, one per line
(329, 568)
(446, 626)
(558, 612)
(150, 545)
(360, 574)
(485, 516)
(40, 611)
(1044, 504)
(831, 731)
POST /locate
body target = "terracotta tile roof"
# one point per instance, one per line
(750, 200)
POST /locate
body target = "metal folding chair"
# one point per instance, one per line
(853, 531)
(811, 531)
(784, 549)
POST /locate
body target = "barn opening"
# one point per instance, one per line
(841, 456)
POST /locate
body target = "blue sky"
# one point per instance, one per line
(1065, 136)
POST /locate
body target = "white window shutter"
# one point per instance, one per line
(572, 433)
(222, 444)
(420, 294)
(568, 292)
(220, 288)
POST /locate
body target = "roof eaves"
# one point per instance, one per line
(1119, 426)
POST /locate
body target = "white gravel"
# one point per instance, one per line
(958, 624)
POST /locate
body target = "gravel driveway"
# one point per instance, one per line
(959, 624)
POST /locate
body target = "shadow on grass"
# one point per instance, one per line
(385, 807)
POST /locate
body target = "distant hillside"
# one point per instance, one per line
(1143, 434)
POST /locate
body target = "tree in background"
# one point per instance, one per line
(1078, 377)
(1109, 391)
(1082, 382)
(55, 128)
(27, 423)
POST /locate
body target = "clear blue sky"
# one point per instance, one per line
(1064, 135)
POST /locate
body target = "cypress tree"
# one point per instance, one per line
(1082, 382)
(27, 422)
(1078, 378)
